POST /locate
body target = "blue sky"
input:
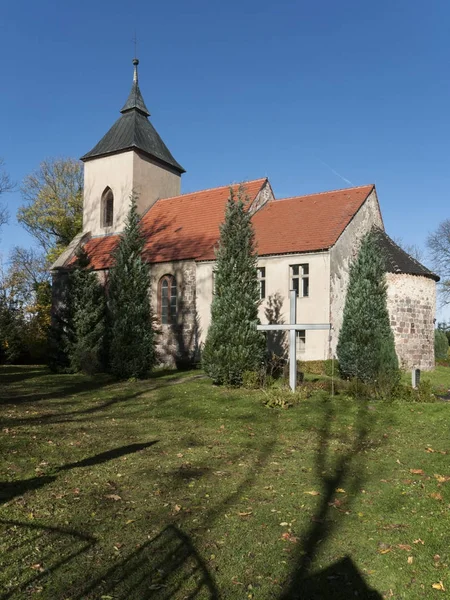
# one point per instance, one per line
(297, 91)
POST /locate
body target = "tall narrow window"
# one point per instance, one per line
(300, 279)
(107, 208)
(167, 299)
(300, 338)
(262, 282)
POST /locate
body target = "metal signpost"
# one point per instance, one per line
(292, 327)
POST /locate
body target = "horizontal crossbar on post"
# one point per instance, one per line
(296, 326)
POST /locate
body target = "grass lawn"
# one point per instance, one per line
(173, 488)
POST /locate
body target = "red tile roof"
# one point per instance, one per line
(178, 228)
(187, 226)
(307, 223)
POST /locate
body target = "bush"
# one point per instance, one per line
(251, 380)
(405, 393)
(440, 345)
(319, 367)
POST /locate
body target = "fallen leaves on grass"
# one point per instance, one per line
(438, 586)
(245, 514)
(417, 471)
(436, 496)
(312, 493)
(410, 560)
(404, 547)
(114, 497)
(442, 478)
(429, 449)
(288, 537)
(419, 541)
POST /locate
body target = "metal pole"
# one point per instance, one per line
(292, 341)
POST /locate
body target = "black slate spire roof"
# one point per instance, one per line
(133, 130)
(399, 261)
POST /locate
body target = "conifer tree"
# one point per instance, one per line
(60, 333)
(233, 344)
(131, 340)
(366, 348)
(86, 352)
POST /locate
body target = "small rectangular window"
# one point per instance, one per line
(300, 337)
(262, 282)
(300, 279)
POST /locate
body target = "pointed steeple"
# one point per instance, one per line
(135, 100)
(133, 131)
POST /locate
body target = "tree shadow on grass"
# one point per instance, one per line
(167, 566)
(13, 373)
(72, 415)
(70, 385)
(12, 489)
(34, 554)
(342, 579)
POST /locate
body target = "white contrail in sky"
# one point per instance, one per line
(336, 173)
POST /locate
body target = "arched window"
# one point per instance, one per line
(107, 208)
(167, 299)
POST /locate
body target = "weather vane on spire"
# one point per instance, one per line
(135, 59)
(134, 40)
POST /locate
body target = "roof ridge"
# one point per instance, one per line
(356, 187)
(220, 187)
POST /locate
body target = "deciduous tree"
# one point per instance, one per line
(6, 185)
(53, 208)
(439, 246)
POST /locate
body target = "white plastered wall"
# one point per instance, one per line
(313, 309)
(343, 253)
(116, 172)
(126, 173)
(152, 181)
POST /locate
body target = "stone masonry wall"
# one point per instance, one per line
(177, 343)
(412, 305)
(342, 254)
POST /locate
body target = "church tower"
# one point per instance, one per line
(130, 160)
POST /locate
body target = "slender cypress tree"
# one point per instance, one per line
(131, 340)
(60, 333)
(86, 352)
(366, 348)
(233, 344)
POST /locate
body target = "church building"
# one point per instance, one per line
(305, 243)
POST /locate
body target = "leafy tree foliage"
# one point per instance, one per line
(366, 347)
(23, 318)
(6, 185)
(233, 344)
(86, 352)
(439, 245)
(131, 340)
(440, 345)
(53, 209)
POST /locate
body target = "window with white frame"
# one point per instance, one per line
(262, 282)
(300, 279)
(300, 339)
(107, 208)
